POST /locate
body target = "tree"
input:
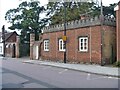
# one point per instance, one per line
(26, 17)
(108, 11)
(55, 10)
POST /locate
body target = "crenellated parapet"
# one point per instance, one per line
(80, 23)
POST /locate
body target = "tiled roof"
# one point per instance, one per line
(8, 34)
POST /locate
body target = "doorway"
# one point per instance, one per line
(13, 51)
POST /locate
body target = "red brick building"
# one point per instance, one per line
(87, 41)
(11, 45)
(117, 9)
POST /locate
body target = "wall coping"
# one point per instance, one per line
(80, 23)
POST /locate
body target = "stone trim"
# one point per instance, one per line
(80, 23)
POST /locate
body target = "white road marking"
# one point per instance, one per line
(112, 77)
(109, 77)
(88, 76)
(98, 78)
(63, 71)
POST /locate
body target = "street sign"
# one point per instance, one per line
(64, 38)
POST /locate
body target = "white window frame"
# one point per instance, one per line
(61, 45)
(1, 45)
(0, 49)
(1, 39)
(46, 45)
(7, 46)
(82, 44)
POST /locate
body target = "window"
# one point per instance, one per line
(1, 39)
(46, 45)
(83, 44)
(0, 49)
(7, 46)
(61, 45)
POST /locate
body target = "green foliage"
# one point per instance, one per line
(117, 64)
(26, 17)
(109, 10)
(55, 10)
(24, 49)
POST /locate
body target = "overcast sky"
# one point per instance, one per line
(5, 5)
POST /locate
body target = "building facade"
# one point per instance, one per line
(117, 9)
(34, 47)
(11, 44)
(1, 44)
(87, 41)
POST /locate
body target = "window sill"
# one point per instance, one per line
(46, 50)
(62, 50)
(83, 51)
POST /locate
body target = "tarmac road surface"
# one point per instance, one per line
(16, 74)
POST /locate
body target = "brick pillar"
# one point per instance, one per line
(32, 39)
(118, 31)
(17, 47)
(40, 36)
(40, 44)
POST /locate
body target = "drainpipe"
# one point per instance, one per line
(90, 47)
(101, 25)
(64, 31)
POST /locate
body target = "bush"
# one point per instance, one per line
(117, 64)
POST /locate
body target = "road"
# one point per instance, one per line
(16, 74)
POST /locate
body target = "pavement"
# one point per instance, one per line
(95, 69)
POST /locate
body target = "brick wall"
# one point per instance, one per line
(73, 54)
(118, 31)
(10, 41)
(109, 46)
(12, 38)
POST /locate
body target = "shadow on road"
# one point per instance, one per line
(29, 80)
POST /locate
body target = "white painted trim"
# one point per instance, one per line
(1, 45)
(46, 45)
(61, 42)
(1, 39)
(83, 50)
(37, 52)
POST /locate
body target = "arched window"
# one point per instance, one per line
(61, 45)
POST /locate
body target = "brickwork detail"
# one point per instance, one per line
(32, 40)
(80, 24)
